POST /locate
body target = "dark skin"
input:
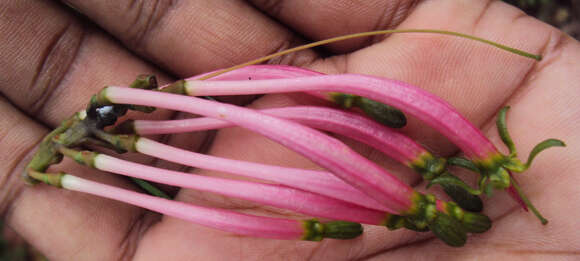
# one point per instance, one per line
(53, 60)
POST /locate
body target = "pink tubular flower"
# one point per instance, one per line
(225, 220)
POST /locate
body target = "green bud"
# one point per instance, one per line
(460, 192)
(382, 113)
(463, 198)
(449, 230)
(342, 230)
(476, 223)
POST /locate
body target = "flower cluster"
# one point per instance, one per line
(352, 190)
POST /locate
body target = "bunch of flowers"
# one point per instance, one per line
(352, 190)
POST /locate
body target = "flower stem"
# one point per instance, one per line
(528, 203)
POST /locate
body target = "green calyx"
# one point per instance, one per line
(461, 193)
(433, 169)
(380, 112)
(428, 166)
(316, 231)
(511, 162)
(423, 212)
(497, 168)
(450, 224)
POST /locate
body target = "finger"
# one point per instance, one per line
(474, 78)
(202, 35)
(319, 20)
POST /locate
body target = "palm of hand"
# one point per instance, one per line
(474, 78)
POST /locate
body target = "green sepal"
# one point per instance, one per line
(500, 178)
(503, 131)
(465, 196)
(513, 163)
(449, 230)
(382, 113)
(542, 146)
(428, 165)
(411, 226)
(343, 100)
(464, 163)
(452, 180)
(313, 230)
(342, 230)
(394, 222)
(475, 222)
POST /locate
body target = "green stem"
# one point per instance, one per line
(366, 34)
(529, 203)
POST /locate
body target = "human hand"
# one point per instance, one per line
(62, 61)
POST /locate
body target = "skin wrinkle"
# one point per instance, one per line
(272, 7)
(54, 65)
(295, 59)
(137, 228)
(387, 20)
(484, 11)
(146, 21)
